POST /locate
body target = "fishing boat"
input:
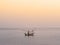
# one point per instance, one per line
(29, 33)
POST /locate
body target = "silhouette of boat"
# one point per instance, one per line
(29, 33)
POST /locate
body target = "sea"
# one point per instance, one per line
(41, 37)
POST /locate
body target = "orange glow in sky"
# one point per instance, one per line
(34, 12)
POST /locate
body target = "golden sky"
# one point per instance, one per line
(34, 12)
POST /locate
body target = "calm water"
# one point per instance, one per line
(42, 37)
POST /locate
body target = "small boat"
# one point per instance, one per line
(29, 33)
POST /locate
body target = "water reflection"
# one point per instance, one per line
(17, 37)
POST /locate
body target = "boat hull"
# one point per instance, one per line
(29, 34)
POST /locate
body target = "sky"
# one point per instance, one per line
(29, 13)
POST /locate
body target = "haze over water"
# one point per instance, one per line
(29, 14)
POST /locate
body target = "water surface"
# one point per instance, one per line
(41, 37)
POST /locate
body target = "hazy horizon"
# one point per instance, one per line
(19, 17)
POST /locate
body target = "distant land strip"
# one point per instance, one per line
(10, 29)
(29, 28)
